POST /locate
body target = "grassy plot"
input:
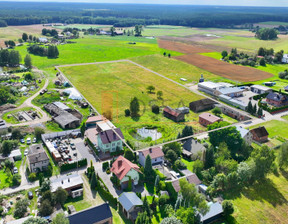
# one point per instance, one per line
(10, 116)
(275, 128)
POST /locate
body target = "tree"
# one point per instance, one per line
(187, 131)
(28, 61)
(134, 107)
(217, 111)
(14, 58)
(129, 187)
(159, 94)
(128, 154)
(38, 132)
(171, 156)
(46, 185)
(60, 219)
(246, 171)
(60, 196)
(186, 215)
(112, 30)
(262, 62)
(45, 208)
(36, 220)
(30, 37)
(155, 109)
(260, 112)
(157, 179)
(21, 208)
(209, 160)
(254, 109)
(148, 170)
(127, 113)
(169, 55)
(266, 34)
(163, 200)
(7, 146)
(16, 133)
(250, 107)
(198, 166)
(224, 54)
(52, 52)
(93, 183)
(164, 54)
(150, 88)
(174, 146)
(171, 220)
(142, 218)
(16, 179)
(146, 207)
(138, 30)
(227, 207)
(283, 155)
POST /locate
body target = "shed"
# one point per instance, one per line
(215, 212)
(201, 105)
(130, 204)
(16, 155)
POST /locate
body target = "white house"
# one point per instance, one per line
(37, 158)
(285, 58)
(156, 154)
(245, 134)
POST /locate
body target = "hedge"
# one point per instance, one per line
(257, 97)
(173, 194)
(105, 165)
(117, 153)
(104, 192)
(70, 166)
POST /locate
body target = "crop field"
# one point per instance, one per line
(230, 71)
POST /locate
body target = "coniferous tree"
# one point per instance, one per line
(250, 107)
(134, 107)
(254, 110)
(146, 207)
(28, 61)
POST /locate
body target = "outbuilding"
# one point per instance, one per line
(206, 118)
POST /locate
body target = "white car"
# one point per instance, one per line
(15, 170)
(34, 140)
(26, 152)
(28, 141)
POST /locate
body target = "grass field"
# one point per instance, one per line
(275, 128)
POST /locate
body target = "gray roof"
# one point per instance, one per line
(65, 118)
(19, 221)
(66, 181)
(3, 124)
(129, 199)
(230, 90)
(243, 131)
(109, 136)
(277, 97)
(37, 154)
(193, 146)
(264, 88)
(61, 106)
(215, 209)
(15, 153)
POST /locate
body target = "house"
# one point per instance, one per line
(104, 125)
(73, 184)
(183, 110)
(100, 214)
(210, 87)
(245, 134)
(91, 121)
(260, 134)
(130, 204)
(156, 154)
(230, 91)
(109, 141)
(236, 114)
(234, 102)
(215, 212)
(192, 179)
(3, 126)
(277, 99)
(206, 118)
(173, 114)
(286, 88)
(192, 149)
(285, 58)
(43, 40)
(37, 158)
(202, 188)
(201, 105)
(260, 89)
(124, 170)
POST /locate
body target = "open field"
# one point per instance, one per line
(275, 128)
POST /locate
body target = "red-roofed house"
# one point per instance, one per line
(192, 179)
(156, 154)
(173, 114)
(123, 169)
(207, 118)
(91, 121)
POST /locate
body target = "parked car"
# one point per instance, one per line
(15, 170)
(28, 141)
(30, 195)
(34, 140)
(26, 152)
(22, 141)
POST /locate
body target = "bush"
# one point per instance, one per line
(21, 208)
(91, 145)
(163, 200)
(228, 207)
(105, 165)
(127, 113)
(108, 171)
(180, 165)
(32, 177)
(16, 179)
(162, 185)
(117, 153)
(155, 109)
(45, 208)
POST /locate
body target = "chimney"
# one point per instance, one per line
(68, 179)
(150, 150)
(62, 182)
(119, 163)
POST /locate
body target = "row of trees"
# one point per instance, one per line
(50, 33)
(253, 110)
(51, 52)
(11, 58)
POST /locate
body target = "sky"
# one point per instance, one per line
(274, 3)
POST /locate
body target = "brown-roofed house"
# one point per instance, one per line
(173, 114)
(37, 158)
(201, 105)
(260, 134)
(109, 141)
(192, 179)
(124, 170)
(207, 118)
(156, 154)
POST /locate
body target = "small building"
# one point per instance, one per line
(3, 126)
(91, 121)
(215, 212)
(173, 114)
(124, 170)
(37, 158)
(234, 102)
(202, 188)
(183, 110)
(277, 99)
(43, 40)
(100, 214)
(260, 89)
(73, 184)
(202, 105)
(104, 125)
(260, 134)
(206, 118)
(109, 141)
(286, 88)
(192, 179)
(245, 134)
(67, 120)
(285, 58)
(15, 155)
(210, 87)
(130, 204)
(193, 149)
(231, 112)
(156, 154)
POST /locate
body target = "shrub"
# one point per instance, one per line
(45, 208)
(127, 113)
(155, 109)
(16, 179)
(21, 208)
(163, 200)
(69, 166)
(108, 171)
(117, 153)
(180, 165)
(105, 165)
(228, 207)
(32, 177)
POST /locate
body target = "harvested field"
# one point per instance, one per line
(224, 69)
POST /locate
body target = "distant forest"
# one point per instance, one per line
(122, 15)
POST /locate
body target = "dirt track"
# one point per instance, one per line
(217, 67)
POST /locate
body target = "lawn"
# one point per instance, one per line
(113, 85)
(188, 163)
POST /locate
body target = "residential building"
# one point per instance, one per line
(130, 204)
(109, 141)
(37, 158)
(100, 214)
(156, 154)
(285, 58)
(245, 134)
(230, 91)
(236, 114)
(260, 89)
(183, 110)
(73, 184)
(260, 134)
(104, 125)
(277, 99)
(215, 212)
(210, 87)
(202, 105)
(234, 102)
(173, 114)
(43, 40)
(192, 179)
(91, 121)
(193, 149)
(206, 118)
(124, 170)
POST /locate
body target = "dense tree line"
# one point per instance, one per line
(48, 32)
(129, 15)
(50, 52)
(3, 23)
(11, 58)
(266, 34)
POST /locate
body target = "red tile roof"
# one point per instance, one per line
(171, 111)
(122, 166)
(192, 179)
(155, 152)
(95, 118)
(209, 117)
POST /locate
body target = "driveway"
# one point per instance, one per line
(85, 151)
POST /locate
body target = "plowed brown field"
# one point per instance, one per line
(217, 67)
